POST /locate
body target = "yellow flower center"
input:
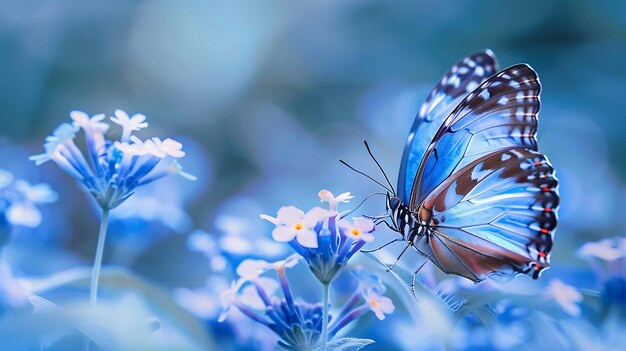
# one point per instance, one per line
(298, 226)
(374, 303)
(355, 232)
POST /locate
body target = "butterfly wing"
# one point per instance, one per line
(462, 78)
(501, 113)
(497, 214)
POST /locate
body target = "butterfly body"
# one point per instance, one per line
(475, 196)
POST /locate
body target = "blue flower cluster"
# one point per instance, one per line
(111, 170)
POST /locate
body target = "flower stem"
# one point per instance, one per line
(97, 264)
(325, 316)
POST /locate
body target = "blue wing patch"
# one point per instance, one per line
(501, 113)
(461, 79)
(497, 214)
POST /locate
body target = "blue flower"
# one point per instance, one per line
(297, 323)
(325, 242)
(111, 170)
(608, 259)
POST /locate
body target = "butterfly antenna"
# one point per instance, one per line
(369, 151)
(365, 175)
(361, 204)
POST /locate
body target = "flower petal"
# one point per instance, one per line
(364, 224)
(307, 238)
(283, 234)
(289, 215)
(317, 214)
(269, 218)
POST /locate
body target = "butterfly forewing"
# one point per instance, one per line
(497, 214)
(461, 79)
(501, 113)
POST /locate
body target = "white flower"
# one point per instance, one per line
(379, 304)
(37, 194)
(291, 223)
(169, 147)
(609, 249)
(81, 119)
(25, 214)
(327, 196)
(136, 148)
(228, 298)
(566, 296)
(360, 229)
(129, 124)
(250, 269)
(63, 133)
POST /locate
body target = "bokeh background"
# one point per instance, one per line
(267, 96)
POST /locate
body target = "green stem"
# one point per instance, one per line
(97, 264)
(325, 316)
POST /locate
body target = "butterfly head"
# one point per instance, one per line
(393, 202)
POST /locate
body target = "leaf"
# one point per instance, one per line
(346, 344)
(116, 281)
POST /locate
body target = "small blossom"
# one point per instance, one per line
(250, 269)
(566, 296)
(325, 245)
(18, 200)
(292, 222)
(380, 305)
(82, 120)
(129, 124)
(609, 249)
(327, 196)
(297, 323)
(359, 229)
(368, 280)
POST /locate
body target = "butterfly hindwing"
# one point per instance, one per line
(496, 214)
(501, 113)
(461, 79)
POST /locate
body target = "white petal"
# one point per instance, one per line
(326, 196)
(345, 225)
(345, 197)
(292, 260)
(79, 117)
(283, 234)
(122, 116)
(364, 224)
(367, 237)
(315, 215)
(386, 305)
(269, 218)
(307, 238)
(289, 215)
(250, 268)
(24, 214)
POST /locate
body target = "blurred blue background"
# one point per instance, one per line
(267, 96)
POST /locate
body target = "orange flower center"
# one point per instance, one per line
(355, 232)
(298, 226)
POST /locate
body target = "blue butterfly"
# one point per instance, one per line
(474, 194)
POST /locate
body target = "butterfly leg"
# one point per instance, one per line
(415, 276)
(381, 247)
(400, 255)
